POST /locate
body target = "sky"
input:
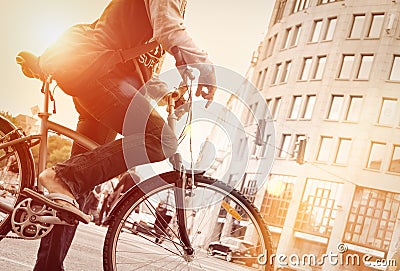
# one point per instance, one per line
(229, 30)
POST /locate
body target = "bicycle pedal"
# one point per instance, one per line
(65, 219)
(27, 219)
(32, 219)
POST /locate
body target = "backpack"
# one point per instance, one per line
(77, 57)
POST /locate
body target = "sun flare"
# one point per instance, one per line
(49, 34)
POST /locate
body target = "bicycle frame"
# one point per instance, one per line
(46, 125)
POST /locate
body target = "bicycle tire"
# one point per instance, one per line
(22, 174)
(123, 234)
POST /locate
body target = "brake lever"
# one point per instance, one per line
(181, 110)
(181, 101)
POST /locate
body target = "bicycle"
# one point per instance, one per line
(138, 236)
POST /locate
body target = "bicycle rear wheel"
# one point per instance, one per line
(226, 230)
(16, 171)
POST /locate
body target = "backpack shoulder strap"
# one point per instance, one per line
(131, 53)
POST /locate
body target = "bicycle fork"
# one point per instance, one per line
(180, 190)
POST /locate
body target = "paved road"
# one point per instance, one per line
(86, 253)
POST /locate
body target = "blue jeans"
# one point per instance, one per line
(107, 106)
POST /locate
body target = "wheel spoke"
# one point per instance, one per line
(135, 248)
(16, 171)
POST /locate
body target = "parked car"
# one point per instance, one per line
(150, 224)
(234, 249)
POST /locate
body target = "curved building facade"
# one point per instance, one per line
(330, 74)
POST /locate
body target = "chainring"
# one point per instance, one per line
(25, 220)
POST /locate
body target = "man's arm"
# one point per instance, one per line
(168, 29)
(166, 19)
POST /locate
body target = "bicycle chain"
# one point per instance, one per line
(11, 237)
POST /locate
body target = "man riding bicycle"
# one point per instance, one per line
(102, 104)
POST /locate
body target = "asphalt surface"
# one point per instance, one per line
(85, 253)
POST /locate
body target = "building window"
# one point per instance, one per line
(259, 151)
(395, 70)
(376, 154)
(294, 149)
(294, 40)
(251, 113)
(275, 109)
(319, 69)
(278, 73)
(387, 113)
(267, 48)
(305, 71)
(261, 79)
(265, 52)
(250, 189)
(354, 109)
(277, 198)
(300, 5)
(372, 218)
(243, 150)
(343, 151)
(325, 147)
(258, 79)
(395, 160)
(357, 27)
(335, 107)
(375, 27)
(280, 11)
(316, 31)
(346, 67)
(286, 71)
(285, 145)
(295, 109)
(249, 116)
(268, 112)
(321, 2)
(330, 29)
(286, 38)
(317, 210)
(309, 106)
(271, 45)
(365, 67)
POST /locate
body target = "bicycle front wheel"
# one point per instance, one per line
(16, 171)
(225, 229)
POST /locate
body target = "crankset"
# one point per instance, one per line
(31, 220)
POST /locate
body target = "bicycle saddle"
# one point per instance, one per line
(29, 65)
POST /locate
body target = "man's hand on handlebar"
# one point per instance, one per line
(206, 80)
(206, 86)
(207, 77)
(177, 95)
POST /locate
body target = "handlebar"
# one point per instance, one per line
(184, 70)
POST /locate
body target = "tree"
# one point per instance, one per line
(58, 148)
(8, 116)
